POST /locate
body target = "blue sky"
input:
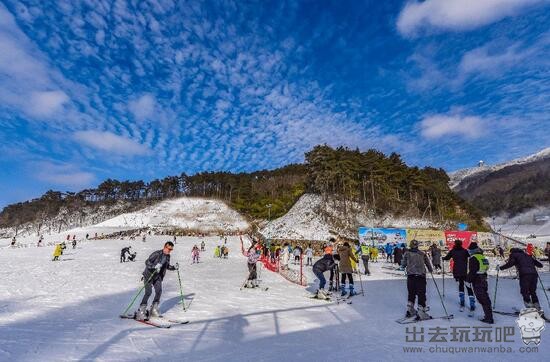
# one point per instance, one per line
(145, 89)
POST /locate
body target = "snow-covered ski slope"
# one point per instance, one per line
(68, 311)
(184, 212)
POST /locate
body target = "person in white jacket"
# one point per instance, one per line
(309, 255)
(284, 256)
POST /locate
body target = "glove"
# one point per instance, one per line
(157, 267)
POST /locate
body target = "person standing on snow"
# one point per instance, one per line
(195, 254)
(319, 268)
(346, 256)
(284, 256)
(435, 252)
(155, 269)
(123, 253)
(252, 258)
(203, 246)
(57, 252)
(297, 252)
(478, 265)
(460, 271)
(365, 256)
(415, 263)
(528, 276)
(309, 255)
(389, 252)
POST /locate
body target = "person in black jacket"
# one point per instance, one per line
(526, 266)
(460, 270)
(123, 253)
(155, 269)
(322, 265)
(478, 265)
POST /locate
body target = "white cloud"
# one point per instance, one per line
(62, 174)
(482, 59)
(438, 126)
(456, 14)
(110, 142)
(143, 107)
(46, 103)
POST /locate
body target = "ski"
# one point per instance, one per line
(414, 320)
(175, 321)
(147, 322)
(511, 314)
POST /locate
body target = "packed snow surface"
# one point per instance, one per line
(68, 310)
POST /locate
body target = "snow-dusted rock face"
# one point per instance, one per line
(314, 218)
(198, 214)
(186, 212)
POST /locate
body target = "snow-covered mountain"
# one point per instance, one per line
(461, 178)
(507, 189)
(313, 218)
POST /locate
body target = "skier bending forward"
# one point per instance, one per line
(155, 269)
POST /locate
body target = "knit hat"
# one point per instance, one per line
(414, 243)
(473, 246)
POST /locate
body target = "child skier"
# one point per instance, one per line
(319, 268)
(195, 254)
(415, 263)
(57, 252)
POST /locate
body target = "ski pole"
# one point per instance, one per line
(443, 276)
(181, 288)
(496, 288)
(544, 290)
(361, 282)
(440, 297)
(139, 292)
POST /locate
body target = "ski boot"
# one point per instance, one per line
(154, 311)
(462, 299)
(422, 314)
(343, 291)
(539, 309)
(141, 313)
(322, 294)
(352, 291)
(487, 320)
(411, 312)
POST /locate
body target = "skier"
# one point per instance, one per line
(321, 266)
(365, 256)
(346, 255)
(203, 246)
(389, 252)
(526, 266)
(132, 256)
(57, 252)
(478, 264)
(415, 263)
(460, 271)
(309, 255)
(252, 259)
(155, 268)
(13, 242)
(435, 252)
(143, 238)
(297, 252)
(398, 254)
(217, 252)
(87, 236)
(175, 241)
(195, 254)
(74, 243)
(123, 253)
(284, 256)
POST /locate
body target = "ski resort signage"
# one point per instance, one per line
(466, 236)
(426, 237)
(382, 236)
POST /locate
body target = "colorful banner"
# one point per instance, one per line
(466, 236)
(426, 237)
(381, 236)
